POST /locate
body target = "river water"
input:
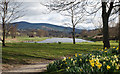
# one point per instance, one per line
(63, 40)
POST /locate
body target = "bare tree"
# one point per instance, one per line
(107, 6)
(13, 30)
(71, 9)
(108, 10)
(10, 11)
(76, 16)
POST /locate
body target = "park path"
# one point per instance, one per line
(34, 67)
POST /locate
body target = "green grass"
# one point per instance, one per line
(24, 52)
(23, 39)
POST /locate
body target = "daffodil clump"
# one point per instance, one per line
(98, 61)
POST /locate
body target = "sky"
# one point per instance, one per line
(37, 13)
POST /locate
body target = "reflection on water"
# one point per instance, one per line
(63, 40)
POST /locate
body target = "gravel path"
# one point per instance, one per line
(30, 68)
(34, 67)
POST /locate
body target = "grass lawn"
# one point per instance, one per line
(23, 39)
(24, 52)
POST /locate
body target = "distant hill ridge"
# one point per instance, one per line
(44, 26)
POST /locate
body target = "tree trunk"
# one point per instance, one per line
(106, 32)
(3, 41)
(119, 31)
(73, 35)
(105, 18)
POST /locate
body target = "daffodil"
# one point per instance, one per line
(106, 59)
(81, 70)
(113, 47)
(105, 51)
(74, 62)
(117, 59)
(75, 54)
(117, 48)
(65, 62)
(99, 65)
(115, 56)
(80, 54)
(69, 57)
(104, 63)
(96, 62)
(93, 56)
(108, 67)
(80, 59)
(97, 59)
(92, 64)
(115, 64)
(64, 59)
(68, 67)
(105, 47)
(117, 67)
(91, 61)
(111, 61)
(102, 50)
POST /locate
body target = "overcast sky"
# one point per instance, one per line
(36, 13)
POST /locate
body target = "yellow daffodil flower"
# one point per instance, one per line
(80, 54)
(102, 50)
(115, 64)
(105, 51)
(115, 56)
(69, 57)
(113, 47)
(117, 48)
(68, 68)
(93, 56)
(75, 54)
(80, 59)
(86, 60)
(92, 64)
(64, 59)
(65, 62)
(117, 67)
(80, 69)
(104, 63)
(105, 47)
(111, 61)
(99, 66)
(108, 67)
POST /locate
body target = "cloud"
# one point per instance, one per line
(35, 14)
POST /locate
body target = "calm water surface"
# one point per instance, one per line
(63, 40)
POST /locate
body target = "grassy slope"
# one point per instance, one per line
(21, 52)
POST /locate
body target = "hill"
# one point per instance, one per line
(44, 26)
